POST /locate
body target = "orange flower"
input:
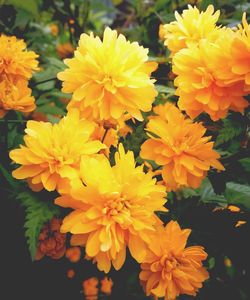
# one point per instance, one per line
(106, 285)
(70, 273)
(65, 50)
(170, 269)
(90, 288)
(15, 96)
(73, 254)
(189, 28)
(51, 241)
(54, 29)
(241, 53)
(180, 147)
(15, 61)
(202, 86)
(52, 152)
(110, 76)
(113, 208)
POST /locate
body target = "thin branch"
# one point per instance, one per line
(105, 133)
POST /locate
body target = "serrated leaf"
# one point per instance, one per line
(238, 194)
(37, 212)
(229, 131)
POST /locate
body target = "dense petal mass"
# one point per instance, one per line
(16, 61)
(52, 153)
(171, 269)
(180, 147)
(15, 96)
(111, 76)
(118, 209)
(189, 28)
(202, 86)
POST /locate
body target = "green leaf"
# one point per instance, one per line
(245, 162)
(238, 194)
(30, 6)
(229, 131)
(49, 109)
(188, 193)
(37, 213)
(165, 89)
(8, 177)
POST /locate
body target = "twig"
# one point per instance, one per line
(105, 133)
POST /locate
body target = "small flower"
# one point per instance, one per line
(106, 285)
(113, 208)
(65, 50)
(189, 28)
(170, 268)
(15, 96)
(180, 147)
(111, 76)
(15, 61)
(73, 254)
(51, 241)
(54, 29)
(70, 273)
(90, 288)
(52, 152)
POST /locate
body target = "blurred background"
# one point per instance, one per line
(52, 29)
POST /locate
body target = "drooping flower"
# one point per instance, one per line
(113, 208)
(110, 76)
(189, 28)
(73, 254)
(15, 96)
(202, 86)
(51, 242)
(52, 152)
(15, 61)
(241, 53)
(180, 147)
(170, 268)
(106, 285)
(90, 288)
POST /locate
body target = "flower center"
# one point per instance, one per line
(116, 206)
(108, 83)
(168, 263)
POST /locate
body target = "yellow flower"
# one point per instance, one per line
(52, 152)
(15, 96)
(202, 86)
(241, 53)
(169, 268)
(113, 208)
(15, 61)
(189, 28)
(180, 147)
(110, 76)
(54, 29)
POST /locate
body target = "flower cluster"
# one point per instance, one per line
(16, 66)
(198, 47)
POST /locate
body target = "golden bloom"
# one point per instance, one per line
(113, 208)
(106, 285)
(171, 269)
(73, 254)
(54, 29)
(202, 86)
(110, 76)
(90, 288)
(241, 53)
(15, 61)
(180, 147)
(51, 242)
(65, 50)
(15, 96)
(189, 28)
(52, 152)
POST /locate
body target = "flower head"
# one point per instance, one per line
(51, 242)
(90, 288)
(170, 268)
(113, 208)
(189, 28)
(15, 61)
(15, 96)
(180, 147)
(241, 53)
(73, 254)
(65, 50)
(52, 152)
(202, 86)
(110, 76)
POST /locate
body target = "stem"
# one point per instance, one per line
(243, 154)
(43, 81)
(13, 121)
(105, 133)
